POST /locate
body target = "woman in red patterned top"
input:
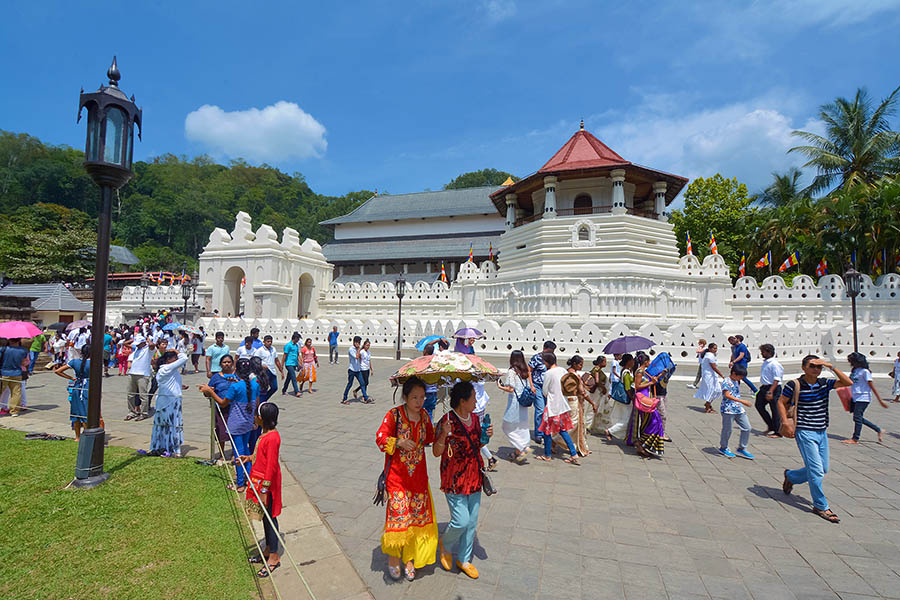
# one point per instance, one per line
(410, 530)
(265, 477)
(459, 446)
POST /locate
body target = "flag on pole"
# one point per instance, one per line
(443, 273)
(853, 258)
(243, 281)
(690, 249)
(160, 280)
(879, 262)
(822, 268)
(765, 260)
(182, 276)
(742, 268)
(491, 251)
(471, 252)
(712, 243)
(792, 260)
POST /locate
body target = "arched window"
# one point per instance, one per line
(584, 234)
(583, 205)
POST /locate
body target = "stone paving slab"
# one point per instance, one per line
(693, 525)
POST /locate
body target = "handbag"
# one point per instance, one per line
(846, 397)
(527, 397)
(590, 383)
(645, 403)
(381, 484)
(487, 486)
(253, 509)
(792, 414)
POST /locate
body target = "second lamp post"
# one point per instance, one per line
(401, 290)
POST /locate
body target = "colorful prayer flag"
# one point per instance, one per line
(712, 243)
(443, 273)
(491, 251)
(690, 249)
(792, 260)
(742, 268)
(879, 261)
(182, 276)
(471, 252)
(243, 281)
(765, 260)
(822, 268)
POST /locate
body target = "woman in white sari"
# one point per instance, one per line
(621, 412)
(516, 422)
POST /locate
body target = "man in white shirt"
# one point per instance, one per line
(556, 409)
(245, 350)
(354, 373)
(270, 360)
(771, 376)
(139, 377)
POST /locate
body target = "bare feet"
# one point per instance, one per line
(880, 436)
(607, 434)
(851, 441)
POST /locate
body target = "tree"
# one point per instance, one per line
(784, 189)
(719, 206)
(479, 178)
(859, 146)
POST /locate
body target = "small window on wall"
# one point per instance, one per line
(583, 206)
(584, 234)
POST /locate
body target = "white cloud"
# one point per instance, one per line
(272, 134)
(498, 10)
(748, 140)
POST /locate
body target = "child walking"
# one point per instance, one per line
(861, 393)
(732, 410)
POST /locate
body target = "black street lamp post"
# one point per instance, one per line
(107, 159)
(195, 281)
(853, 281)
(185, 293)
(401, 290)
(145, 283)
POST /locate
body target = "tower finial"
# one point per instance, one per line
(582, 125)
(113, 74)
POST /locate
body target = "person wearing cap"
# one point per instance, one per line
(139, 376)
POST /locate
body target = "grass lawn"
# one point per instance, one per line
(158, 528)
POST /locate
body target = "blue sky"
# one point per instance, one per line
(403, 96)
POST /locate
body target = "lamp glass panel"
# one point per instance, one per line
(130, 148)
(115, 130)
(93, 149)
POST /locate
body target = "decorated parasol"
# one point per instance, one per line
(172, 326)
(445, 367)
(192, 329)
(468, 332)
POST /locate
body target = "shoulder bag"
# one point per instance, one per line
(792, 414)
(527, 397)
(487, 486)
(381, 484)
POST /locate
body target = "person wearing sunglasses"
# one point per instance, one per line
(811, 430)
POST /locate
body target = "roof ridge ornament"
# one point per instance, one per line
(113, 74)
(582, 125)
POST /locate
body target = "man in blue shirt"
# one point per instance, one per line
(215, 353)
(354, 373)
(290, 360)
(254, 333)
(333, 346)
(109, 350)
(538, 368)
(740, 357)
(13, 361)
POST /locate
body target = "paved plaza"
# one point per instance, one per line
(693, 525)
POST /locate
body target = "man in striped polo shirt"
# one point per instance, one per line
(811, 429)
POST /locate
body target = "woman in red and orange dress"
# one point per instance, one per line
(309, 364)
(410, 530)
(265, 478)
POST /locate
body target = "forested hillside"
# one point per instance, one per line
(48, 208)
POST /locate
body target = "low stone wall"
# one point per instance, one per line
(792, 340)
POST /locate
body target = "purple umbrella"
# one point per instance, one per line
(78, 324)
(468, 332)
(628, 343)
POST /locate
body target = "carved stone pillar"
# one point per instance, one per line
(550, 197)
(511, 206)
(659, 197)
(618, 192)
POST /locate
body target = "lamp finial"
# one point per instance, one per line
(113, 74)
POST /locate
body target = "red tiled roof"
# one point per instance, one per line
(582, 151)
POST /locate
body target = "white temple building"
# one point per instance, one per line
(586, 255)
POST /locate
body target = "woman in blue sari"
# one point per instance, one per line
(219, 383)
(78, 388)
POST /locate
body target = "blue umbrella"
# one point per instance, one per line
(628, 343)
(420, 345)
(172, 326)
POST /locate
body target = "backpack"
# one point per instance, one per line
(527, 397)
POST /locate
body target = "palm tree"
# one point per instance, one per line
(860, 147)
(784, 189)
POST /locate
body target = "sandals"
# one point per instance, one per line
(572, 460)
(409, 573)
(786, 486)
(394, 573)
(140, 417)
(492, 465)
(264, 572)
(828, 515)
(544, 458)
(130, 416)
(345, 402)
(234, 488)
(368, 401)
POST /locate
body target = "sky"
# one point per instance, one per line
(404, 96)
